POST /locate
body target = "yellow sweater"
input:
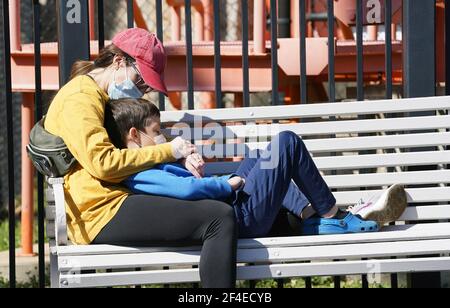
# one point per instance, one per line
(92, 189)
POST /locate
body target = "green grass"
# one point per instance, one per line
(4, 238)
(317, 282)
(4, 234)
(33, 283)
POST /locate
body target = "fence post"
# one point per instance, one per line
(419, 77)
(419, 48)
(6, 67)
(73, 35)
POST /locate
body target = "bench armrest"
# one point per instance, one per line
(60, 217)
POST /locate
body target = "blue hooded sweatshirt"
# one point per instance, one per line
(174, 181)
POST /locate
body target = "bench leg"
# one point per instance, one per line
(54, 273)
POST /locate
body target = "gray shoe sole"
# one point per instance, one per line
(394, 207)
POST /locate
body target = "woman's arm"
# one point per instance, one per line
(162, 183)
(81, 127)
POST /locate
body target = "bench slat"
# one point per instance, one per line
(319, 128)
(257, 255)
(383, 160)
(325, 145)
(354, 161)
(424, 213)
(262, 272)
(415, 195)
(388, 234)
(50, 212)
(309, 111)
(412, 213)
(378, 142)
(383, 179)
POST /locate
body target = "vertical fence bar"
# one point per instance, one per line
(419, 75)
(217, 54)
(160, 34)
(38, 117)
(331, 53)
(195, 285)
(274, 51)
(359, 50)
(365, 281)
(159, 20)
(73, 38)
(101, 24)
(419, 48)
(274, 6)
(252, 283)
(447, 47)
(10, 145)
(447, 58)
(332, 84)
(360, 73)
(283, 31)
(189, 57)
(388, 62)
(388, 43)
(130, 13)
(246, 71)
(284, 19)
(245, 54)
(308, 283)
(303, 76)
(447, 55)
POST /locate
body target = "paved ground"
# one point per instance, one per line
(26, 266)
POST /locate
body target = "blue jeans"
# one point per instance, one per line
(282, 176)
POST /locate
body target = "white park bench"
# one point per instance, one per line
(362, 147)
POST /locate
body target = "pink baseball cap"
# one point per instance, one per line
(149, 53)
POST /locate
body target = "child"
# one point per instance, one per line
(256, 194)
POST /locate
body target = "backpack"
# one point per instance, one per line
(48, 153)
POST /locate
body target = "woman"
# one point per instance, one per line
(101, 211)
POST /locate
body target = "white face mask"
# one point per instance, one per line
(126, 89)
(160, 139)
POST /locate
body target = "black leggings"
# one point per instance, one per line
(145, 220)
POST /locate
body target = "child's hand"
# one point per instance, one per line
(195, 164)
(236, 182)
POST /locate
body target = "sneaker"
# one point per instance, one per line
(385, 208)
(329, 226)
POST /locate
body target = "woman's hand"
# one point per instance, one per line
(182, 148)
(236, 182)
(195, 164)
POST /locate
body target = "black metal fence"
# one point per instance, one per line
(74, 38)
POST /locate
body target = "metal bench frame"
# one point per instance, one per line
(337, 131)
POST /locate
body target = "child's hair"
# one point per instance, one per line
(123, 114)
